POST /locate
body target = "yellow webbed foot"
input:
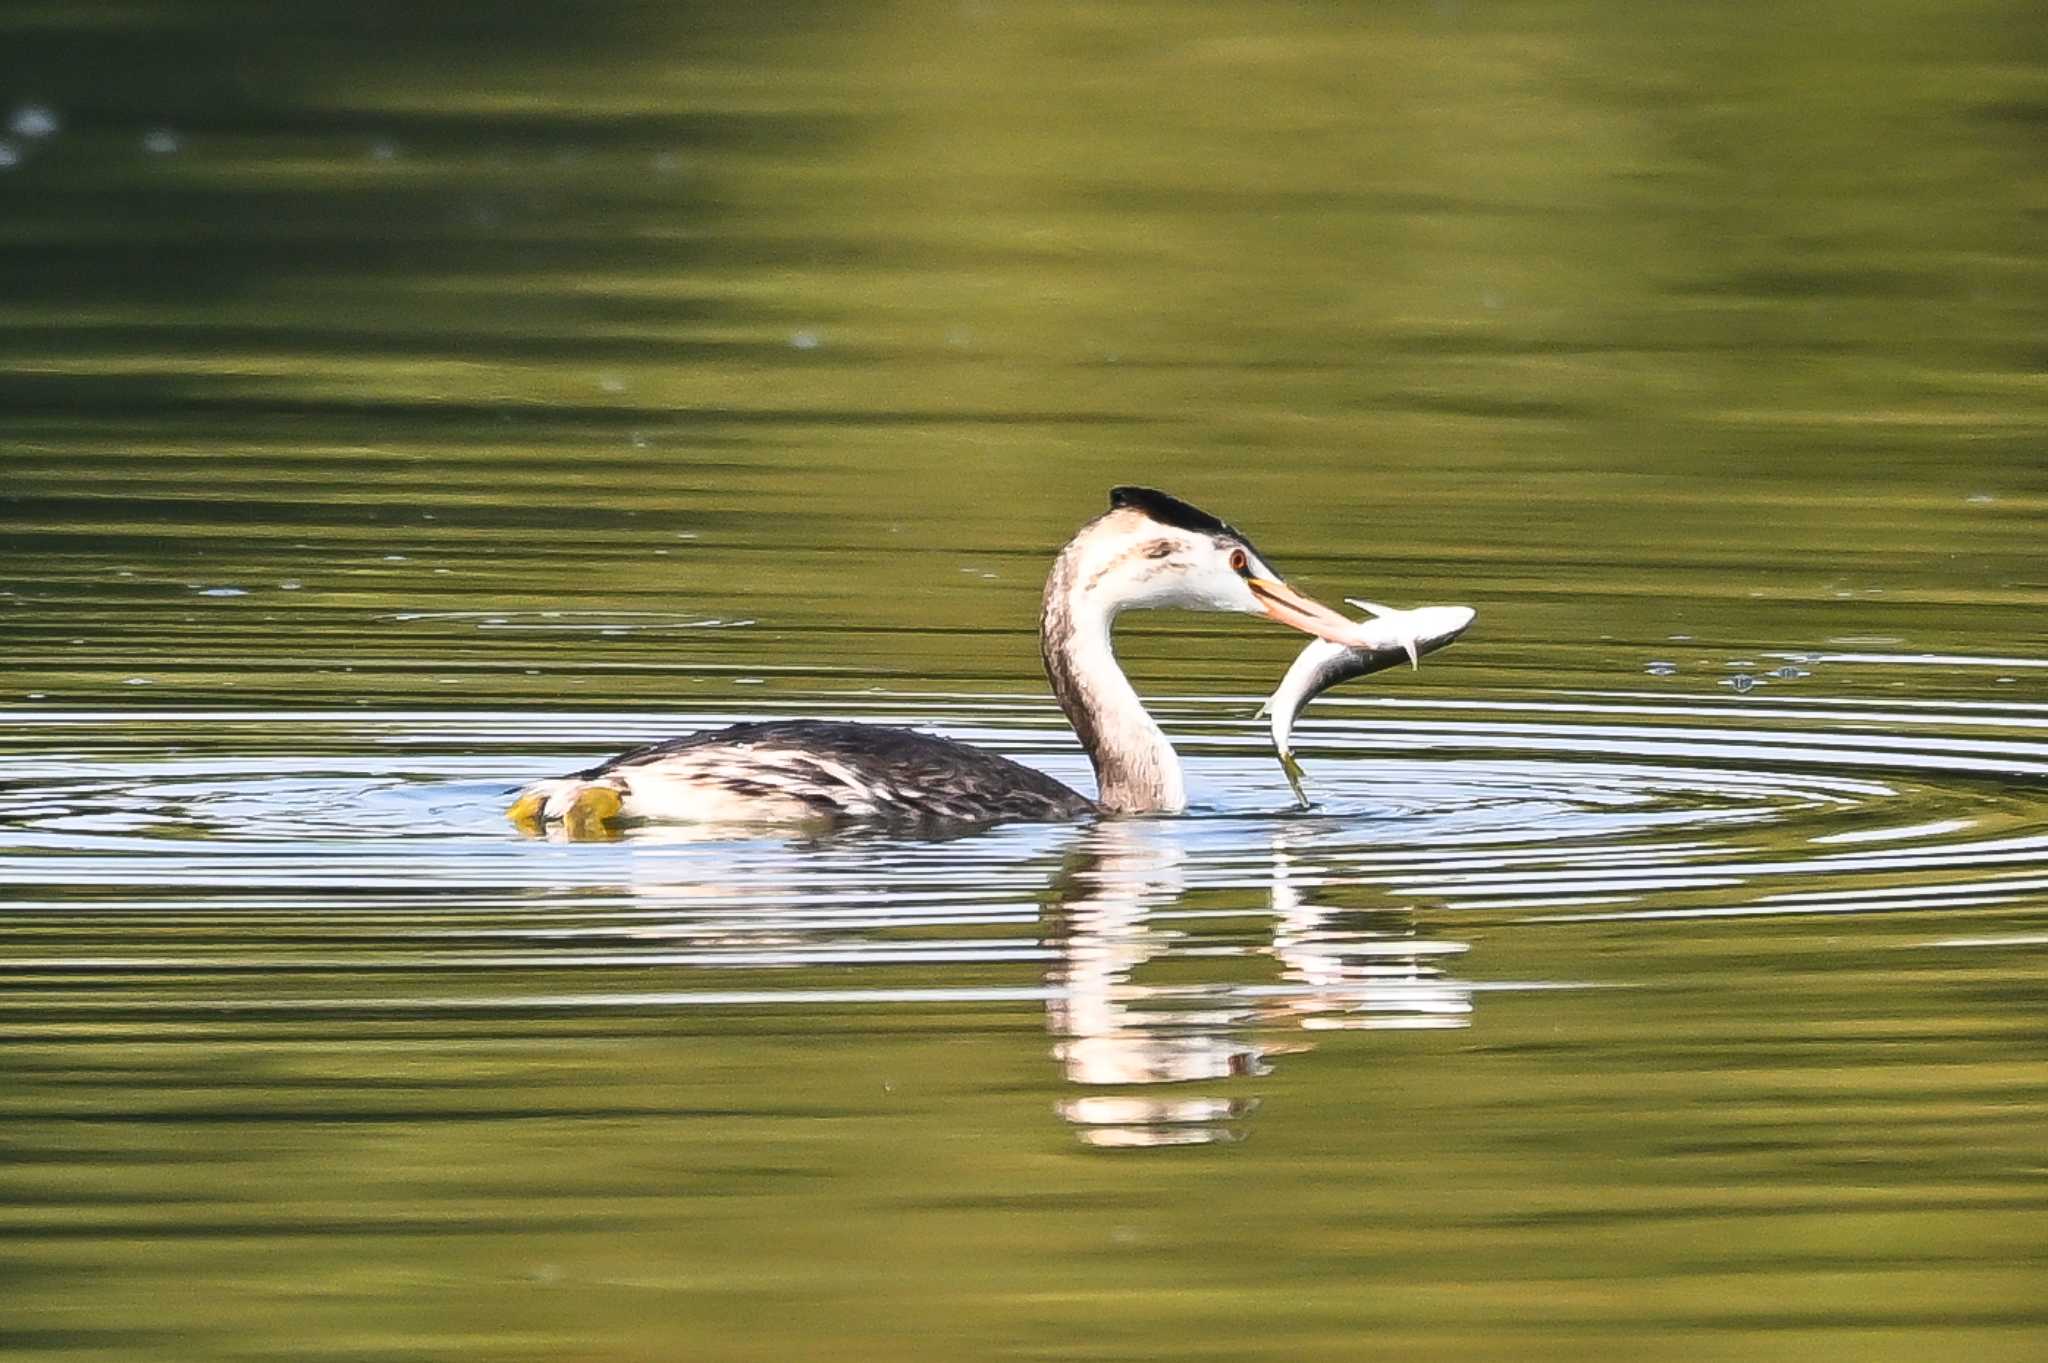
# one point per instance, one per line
(528, 812)
(590, 812)
(567, 811)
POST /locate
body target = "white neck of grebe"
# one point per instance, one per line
(1136, 769)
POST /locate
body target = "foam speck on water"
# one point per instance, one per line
(33, 120)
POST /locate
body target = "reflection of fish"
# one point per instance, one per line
(1376, 644)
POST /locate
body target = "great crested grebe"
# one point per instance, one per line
(1148, 550)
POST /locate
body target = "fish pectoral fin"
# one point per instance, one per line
(1409, 645)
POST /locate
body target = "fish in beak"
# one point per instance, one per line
(1387, 639)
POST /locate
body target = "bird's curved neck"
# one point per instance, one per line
(1136, 769)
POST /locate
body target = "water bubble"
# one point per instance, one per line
(223, 591)
(162, 142)
(611, 383)
(805, 340)
(1662, 668)
(138, 681)
(1980, 499)
(33, 120)
(10, 156)
(383, 151)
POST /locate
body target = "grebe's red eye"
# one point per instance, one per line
(1239, 561)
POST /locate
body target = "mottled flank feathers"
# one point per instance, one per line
(825, 769)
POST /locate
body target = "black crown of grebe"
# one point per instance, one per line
(1148, 551)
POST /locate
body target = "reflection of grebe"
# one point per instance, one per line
(1148, 550)
(1115, 1032)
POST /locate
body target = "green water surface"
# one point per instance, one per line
(400, 402)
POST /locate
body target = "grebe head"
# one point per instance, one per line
(1151, 549)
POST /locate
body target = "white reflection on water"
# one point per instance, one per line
(1382, 975)
(1112, 915)
(1116, 1032)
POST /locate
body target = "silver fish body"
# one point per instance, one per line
(1387, 639)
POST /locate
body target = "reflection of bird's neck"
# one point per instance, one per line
(1136, 770)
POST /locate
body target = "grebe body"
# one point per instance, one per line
(1149, 550)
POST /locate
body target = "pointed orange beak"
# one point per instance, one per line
(1288, 606)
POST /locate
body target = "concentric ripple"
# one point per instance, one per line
(257, 863)
(1632, 803)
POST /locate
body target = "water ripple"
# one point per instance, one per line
(261, 864)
